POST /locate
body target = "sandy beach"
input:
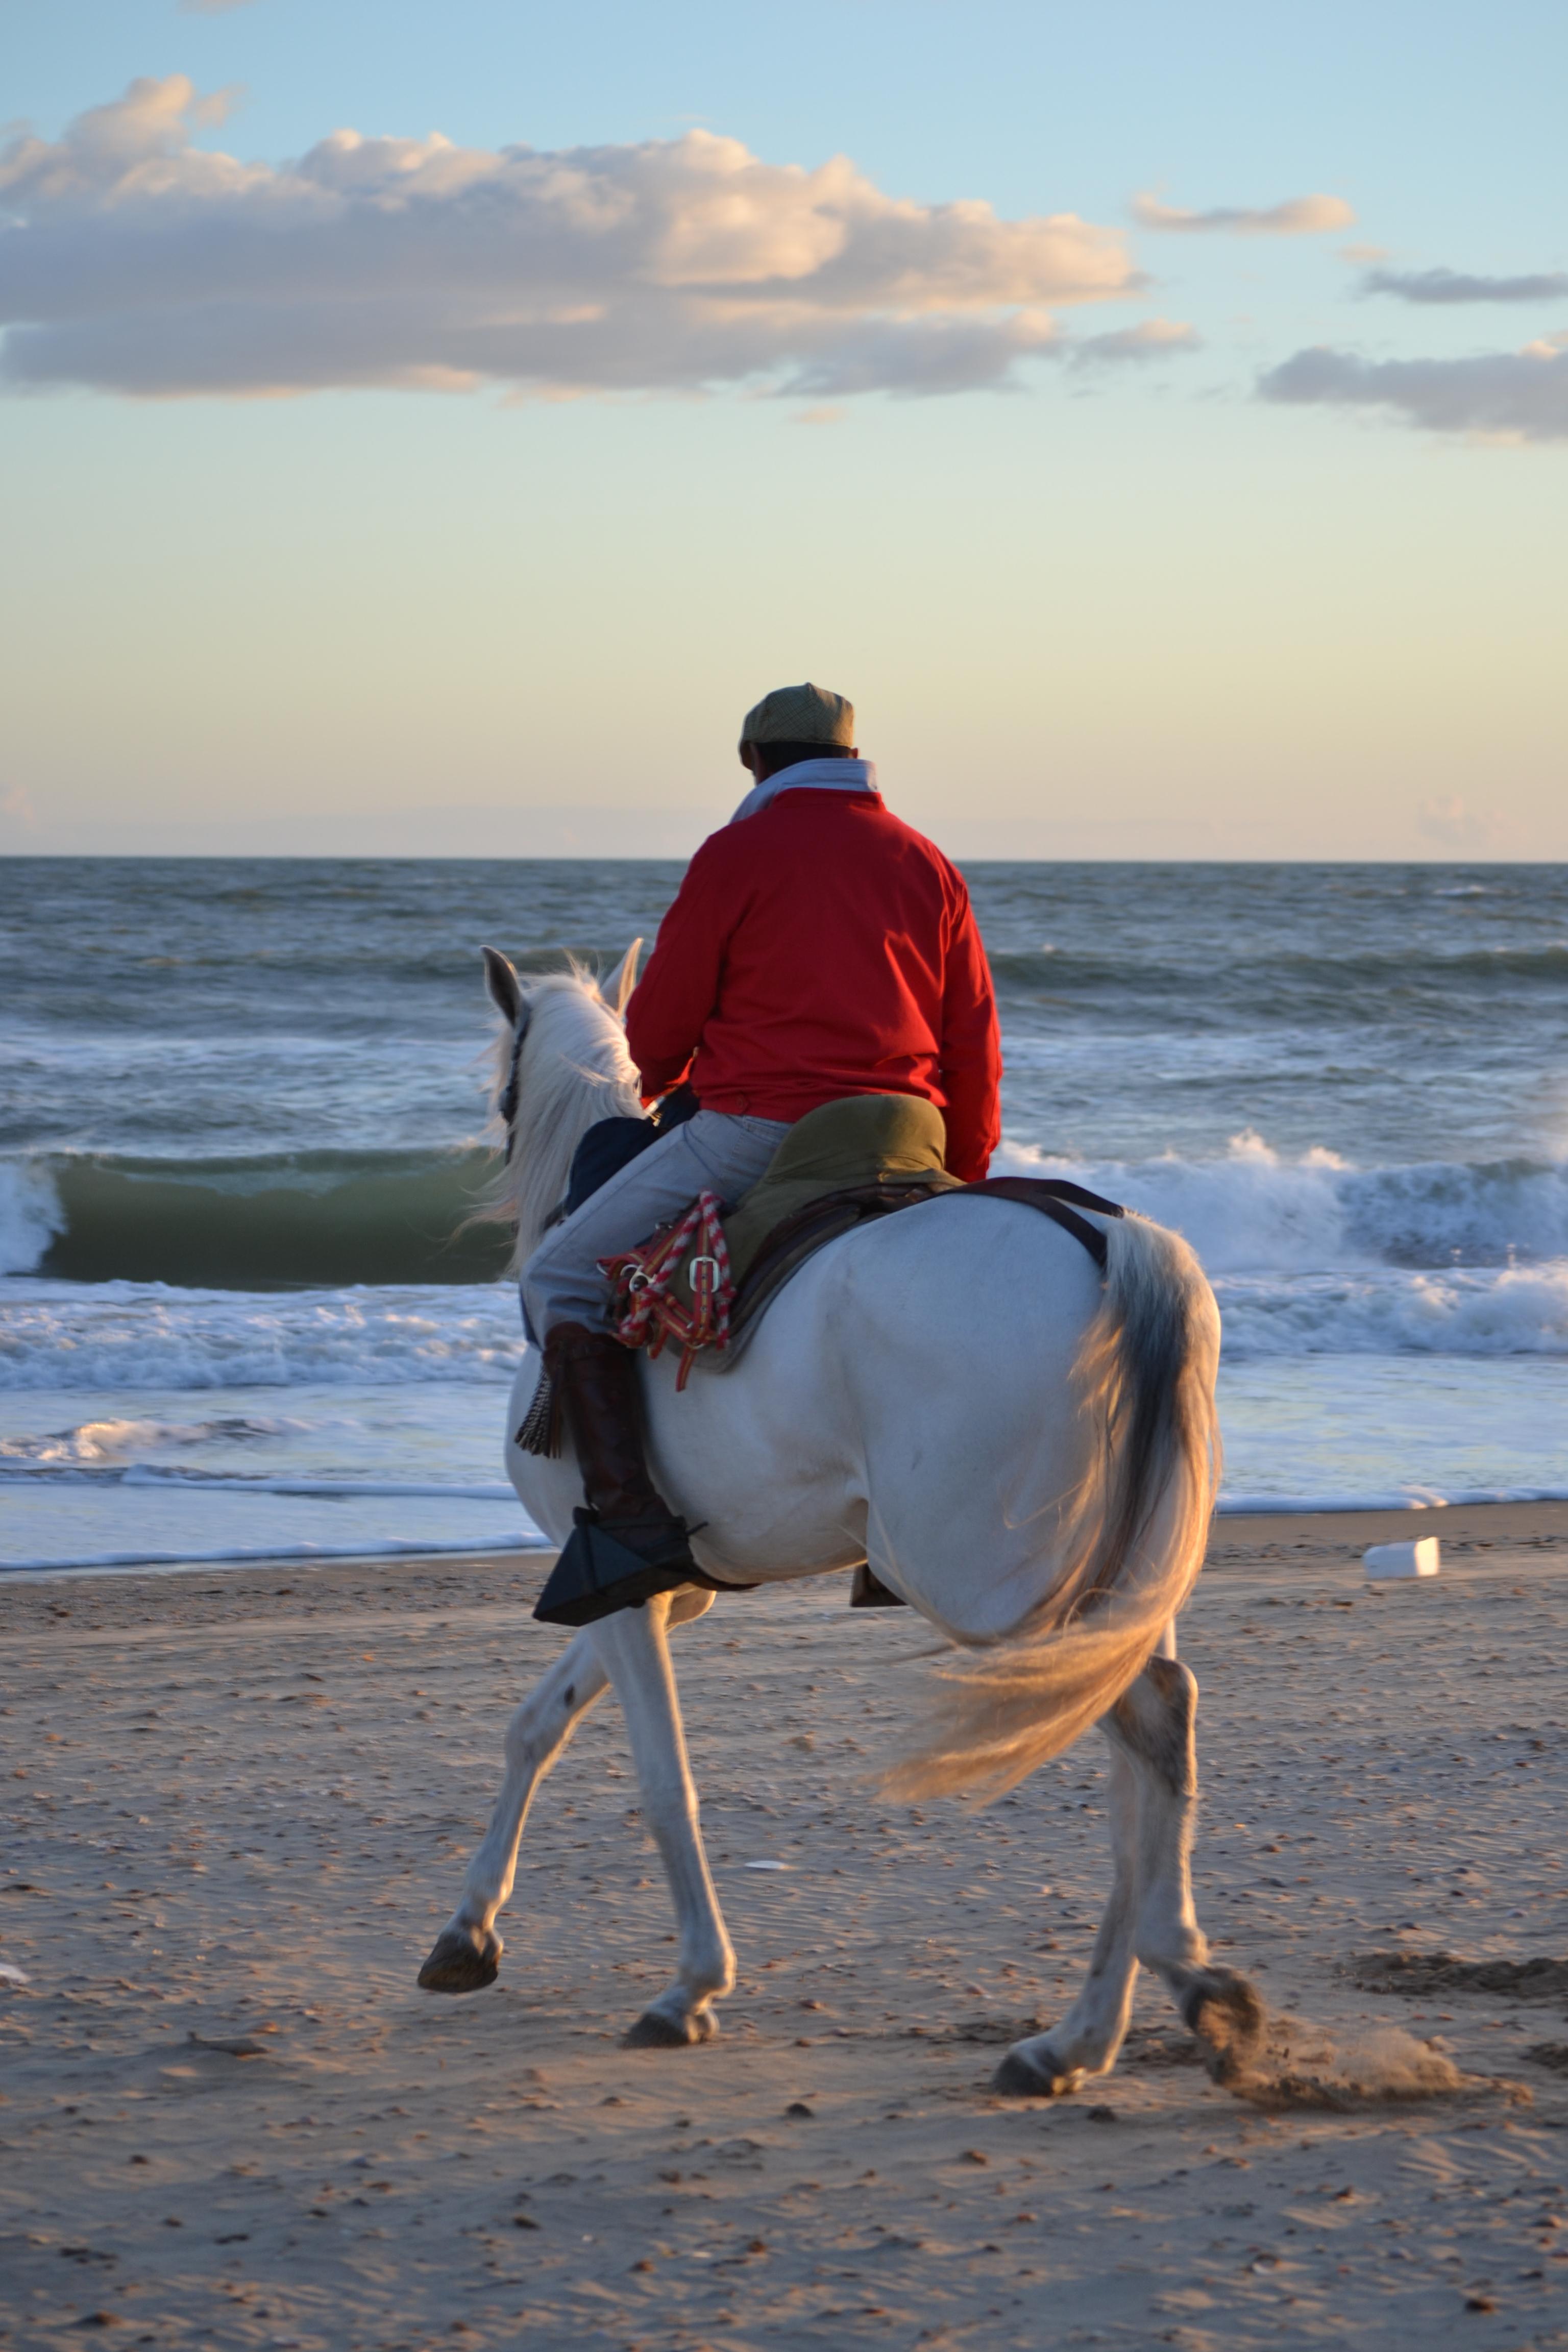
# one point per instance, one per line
(240, 1805)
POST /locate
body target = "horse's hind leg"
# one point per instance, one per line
(1153, 1727)
(1085, 2040)
(636, 1653)
(466, 1954)
(1151, 1917)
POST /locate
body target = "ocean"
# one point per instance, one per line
(241, 1125)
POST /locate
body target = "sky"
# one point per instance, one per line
(428, 428)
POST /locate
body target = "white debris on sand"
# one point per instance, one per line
(1389, 1561)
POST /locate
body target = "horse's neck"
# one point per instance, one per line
(575, 1072)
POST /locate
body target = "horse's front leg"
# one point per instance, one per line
(634, 1648)
(1085, 2040)
(1155, 1727)
(466, 1953)
(465, 1956)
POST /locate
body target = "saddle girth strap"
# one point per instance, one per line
(1053, 1197)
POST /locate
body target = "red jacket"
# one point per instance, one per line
(819, 948)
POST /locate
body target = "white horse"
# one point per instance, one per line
(1025, 1452)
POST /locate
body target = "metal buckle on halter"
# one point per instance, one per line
(705, 1261)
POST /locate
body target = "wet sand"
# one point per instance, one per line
(239, 1808)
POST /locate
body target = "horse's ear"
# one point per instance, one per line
(505, 988)
(618, 988)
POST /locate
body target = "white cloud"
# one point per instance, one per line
(1151, 339)
(1298, 216)
(1506, 395)
(136, 262)
(1458, 286)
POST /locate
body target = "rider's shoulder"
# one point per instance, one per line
(777, 833)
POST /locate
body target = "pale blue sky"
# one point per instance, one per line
(1124, 605)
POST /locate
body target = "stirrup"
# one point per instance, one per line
(596, 1574)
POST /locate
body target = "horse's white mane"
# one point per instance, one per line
(573, 1069)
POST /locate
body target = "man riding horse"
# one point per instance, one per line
(818, 948)
(999, 1401)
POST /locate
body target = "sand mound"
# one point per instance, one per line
(1422, 1973)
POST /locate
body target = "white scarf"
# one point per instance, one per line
(814, 776)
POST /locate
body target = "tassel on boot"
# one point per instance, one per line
(539, 1432)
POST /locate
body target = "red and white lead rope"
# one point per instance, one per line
(640, 1278)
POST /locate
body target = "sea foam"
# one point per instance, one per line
(125, 1337)
(1256, 1211)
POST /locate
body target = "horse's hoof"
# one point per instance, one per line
(1018, 2077)
(1225, 2015)
(463, 1960)
(655, 2031)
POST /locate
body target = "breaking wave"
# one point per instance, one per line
(363, 1265)
(1311, 1256)
(257, 1224)
(1255, 1211)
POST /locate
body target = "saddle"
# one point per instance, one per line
(797, 1238)
(713, 1277)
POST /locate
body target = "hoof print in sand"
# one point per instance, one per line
(1422, 1974)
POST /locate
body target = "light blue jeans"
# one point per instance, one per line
(711, 1153)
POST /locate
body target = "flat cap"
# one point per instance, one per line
(800, 714)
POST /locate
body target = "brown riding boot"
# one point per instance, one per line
(628, 1543)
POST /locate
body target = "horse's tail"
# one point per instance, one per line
(1133, 1542)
